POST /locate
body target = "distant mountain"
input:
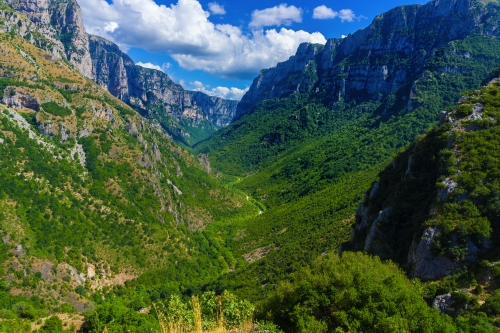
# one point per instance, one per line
(389, 57)
(188, 116)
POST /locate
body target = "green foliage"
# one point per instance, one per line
(352, 293)
(52, 325)
(492, 304)
(464, 218)
(464, 110)
(476, 323)
(56, 109)
(80, 290)
(5, 82)
(118, 318)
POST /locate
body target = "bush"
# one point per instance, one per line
(355, 292)
(464, 110)
(80, 290)
(52, 325)
(56, 109)
(492, 305)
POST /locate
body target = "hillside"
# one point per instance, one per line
(92, 194)
(308, 161)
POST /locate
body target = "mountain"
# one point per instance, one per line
(60, 22)
(92, 194)
(391, 54)
(308, 156)
(188, 116)
(108, 224)
(435, 208)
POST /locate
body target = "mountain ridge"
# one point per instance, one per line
(376, 59)
(189, 116)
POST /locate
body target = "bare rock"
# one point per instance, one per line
(362, 213)
(91, 271)
(205, 162)
(374, 230)
(425, 265)
(443, 303)
(19, 100)
(374, 190)
(449, 186)
(18, 250)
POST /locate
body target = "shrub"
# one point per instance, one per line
(355, 292)
(56, 109)
(492, 305)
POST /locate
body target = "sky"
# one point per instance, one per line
(219, 46)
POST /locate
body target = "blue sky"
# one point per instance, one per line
(219, 46)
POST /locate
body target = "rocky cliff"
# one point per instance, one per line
(153, 91)
(434, 208)
(57, 27)
(61, 22)
(392, 52)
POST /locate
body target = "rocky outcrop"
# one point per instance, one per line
(60, 21)
(443, 303)
(373, 62)
(152, 90)
(439, 224)
(298, 74)
(20, 100)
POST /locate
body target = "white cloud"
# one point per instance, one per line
(232, 93)
(347, 15)
(216, 9)
(277, 15)
(150, 66)
(110, 26)
(324, 13)
(184, 31)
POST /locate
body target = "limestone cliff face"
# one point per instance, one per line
(61, 22)
(151, 90)
(373, 62)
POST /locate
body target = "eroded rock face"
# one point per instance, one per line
(62, 24)
(375, 232)
(359, 67)
(284, 79)
(142, 87)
